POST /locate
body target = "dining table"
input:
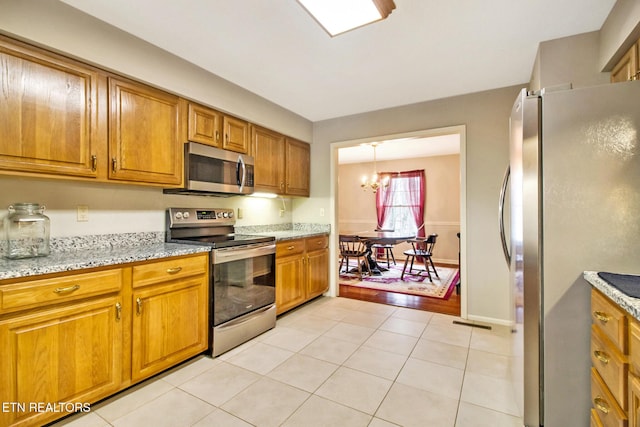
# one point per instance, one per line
(378, 237)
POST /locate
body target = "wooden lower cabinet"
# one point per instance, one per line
(169, 325)
(302, 271)
(94, 333)
(612, 375)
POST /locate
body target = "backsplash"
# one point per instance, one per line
(308, 227)
(99, 241)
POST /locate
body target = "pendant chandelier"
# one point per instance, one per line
(375, 182)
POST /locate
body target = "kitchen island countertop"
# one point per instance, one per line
(629, 304)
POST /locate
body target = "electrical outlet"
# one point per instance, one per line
(321, 211)
(239, 213)
(83, 213)
(281, 213)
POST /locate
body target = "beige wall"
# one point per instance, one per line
(486, 117)
(620, 30)
(571, 59)
(442, 211)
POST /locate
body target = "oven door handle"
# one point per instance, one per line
(221, 256)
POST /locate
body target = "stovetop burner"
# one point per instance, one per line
(212, 227)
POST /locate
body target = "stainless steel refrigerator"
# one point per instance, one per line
(573, 204)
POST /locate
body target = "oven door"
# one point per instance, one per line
(244, 280)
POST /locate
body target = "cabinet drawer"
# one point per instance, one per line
(608, 410)
(289, 247)
(316, 243)
(36, 293)
(610, 319)
(610, 364)
(170, 269)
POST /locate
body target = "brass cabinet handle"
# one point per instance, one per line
(114, 165)
(226, 136)
(217, 136)
(118, 311)
(94, 162)
(601, 404)
(290, 248)
(601, 356)
(174, 270)
(282, 185)
(604, 317)
(139, 306)
(67, 289)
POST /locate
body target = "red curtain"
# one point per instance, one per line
(416, 191)
(383, 198)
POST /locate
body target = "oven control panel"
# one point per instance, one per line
(191, 217)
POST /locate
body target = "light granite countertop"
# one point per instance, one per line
(629, 304)
(69, 254)
(291, 234)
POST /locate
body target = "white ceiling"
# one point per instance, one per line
(401, 149)
(425, 50)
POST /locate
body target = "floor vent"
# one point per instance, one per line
(457, 322)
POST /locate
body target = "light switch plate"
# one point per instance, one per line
(83, 213)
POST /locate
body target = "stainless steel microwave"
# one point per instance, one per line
(210, 171)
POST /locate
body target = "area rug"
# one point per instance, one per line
(412, 285)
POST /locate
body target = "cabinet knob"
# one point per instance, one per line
(603, 317)
(601, 356)
(601, 404)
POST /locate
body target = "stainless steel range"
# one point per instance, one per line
(242, 274)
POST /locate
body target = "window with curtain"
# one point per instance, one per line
(400, 206)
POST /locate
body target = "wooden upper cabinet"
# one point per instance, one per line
(236, 134)
(268, 149)
(297, 157)
(204, 125)
(211, 127)
(627, 68)
(145, 143)
(48, 113)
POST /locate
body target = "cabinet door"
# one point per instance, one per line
(627, 67)
(268, 151)
(290, 285)
(235, 135)
(48, 113)
(317, 273)
(297, 160)
(204, 125)
(634, 401)
(169, 325)
(70, 354)
(144, 134)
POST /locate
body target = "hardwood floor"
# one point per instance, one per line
(450, 306)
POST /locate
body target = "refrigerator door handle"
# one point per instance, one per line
(503, 194)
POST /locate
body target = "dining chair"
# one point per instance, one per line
(385, 249)
(353, 247)
(423, 249)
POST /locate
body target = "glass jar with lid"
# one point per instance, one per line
(27, 231)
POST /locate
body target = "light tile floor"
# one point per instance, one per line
(334, 362)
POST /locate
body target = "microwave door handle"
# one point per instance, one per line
(241, 178)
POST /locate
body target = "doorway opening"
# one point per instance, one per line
(441, 153)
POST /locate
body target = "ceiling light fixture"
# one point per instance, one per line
(339, 16)
(375, 183)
